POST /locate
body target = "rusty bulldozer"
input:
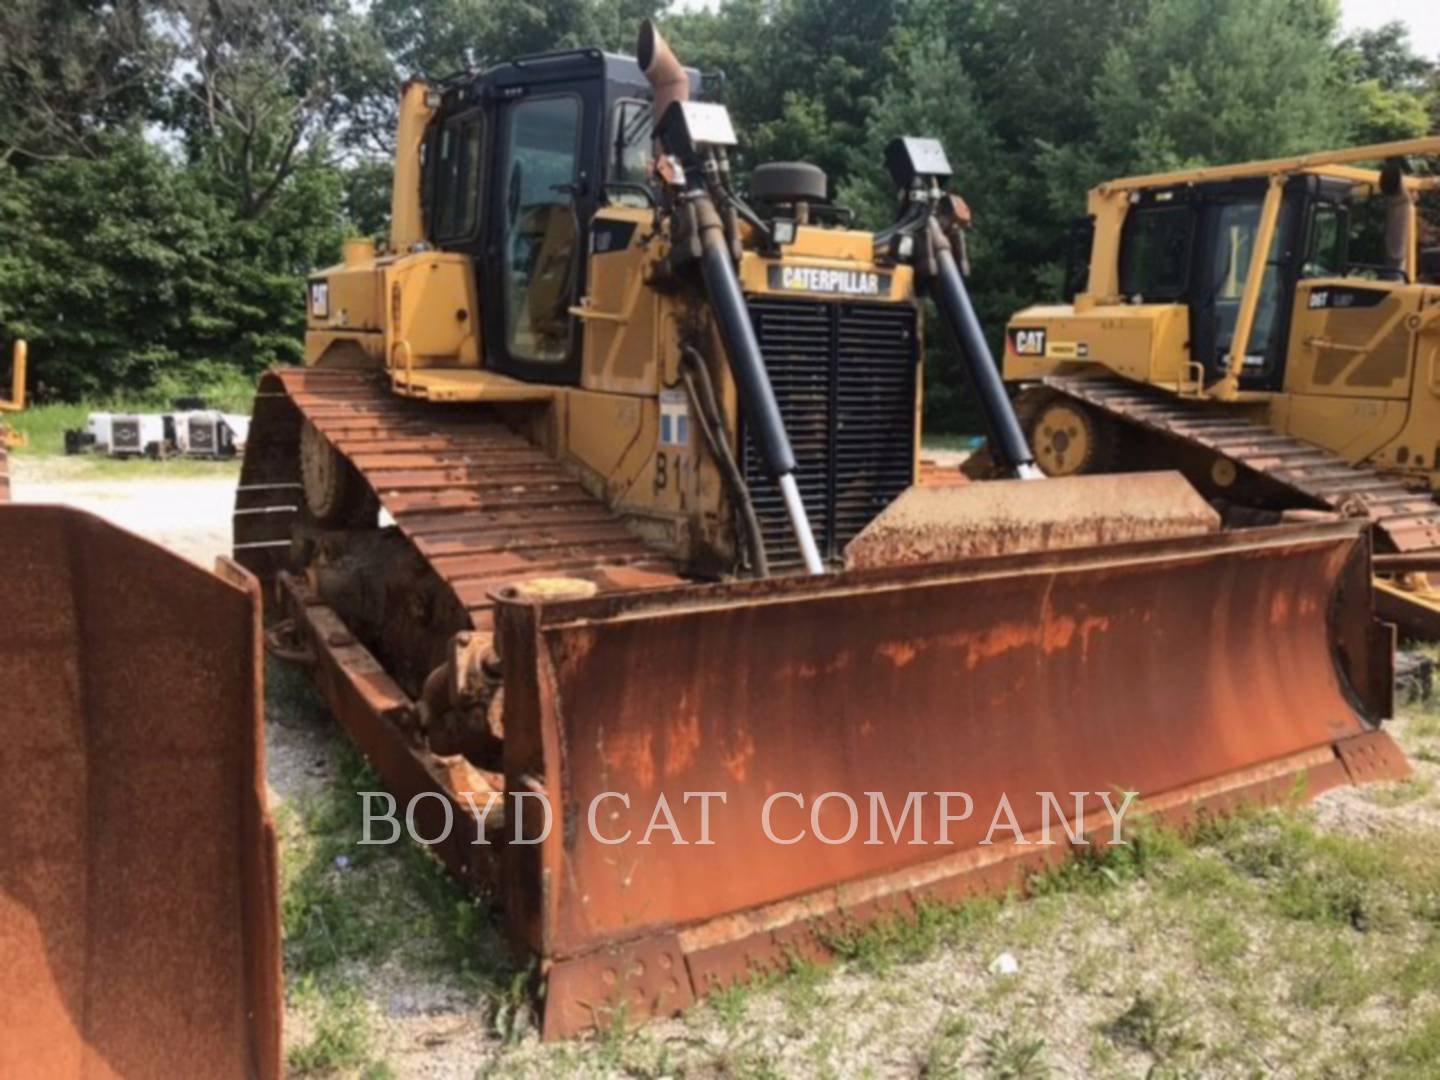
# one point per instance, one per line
(139, 916)
(598, 489)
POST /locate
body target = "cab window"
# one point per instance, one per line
(1326, 244)
(1155, 253)
(542, 233)
(455, 207)
(630, 153)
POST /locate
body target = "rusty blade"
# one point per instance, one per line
(946, 522)
(138, 907)
(1158, 667)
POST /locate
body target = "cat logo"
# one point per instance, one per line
(1028, 342)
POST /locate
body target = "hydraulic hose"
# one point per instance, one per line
(712, 428)
(953, 300)
(742, 348)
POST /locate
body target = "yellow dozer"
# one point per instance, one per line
(597, 495)
(139, 910)
(1270, 329)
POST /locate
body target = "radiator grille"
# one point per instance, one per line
(844, 375)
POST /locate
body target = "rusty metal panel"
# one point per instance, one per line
(139, 918)
(1159, 667)
(947, 522)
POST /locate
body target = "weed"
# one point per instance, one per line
(1153, 1024)
(1010, 1055)
(1416, 1054)
(731, 1004)
(1220, 937)
(1149, 844)
(878, 946)
(1400, 792)
(511, 1014)
(947, 1049)
(340, 1037)
(1315, 877)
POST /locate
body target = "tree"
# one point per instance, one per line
(1394, 94)
(71, 70)
(254, 93)
(1198, 82)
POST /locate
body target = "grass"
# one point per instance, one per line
(348, 911)
(339, 1036)
(1331, 930)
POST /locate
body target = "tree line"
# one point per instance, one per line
(171, 169)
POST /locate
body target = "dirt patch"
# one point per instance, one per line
(190, 515)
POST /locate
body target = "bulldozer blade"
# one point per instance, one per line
(938, 522)
(1197, 671)
(139, 923)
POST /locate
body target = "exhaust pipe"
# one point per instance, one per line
(1399, 218)
(659, 65)
(727, 301)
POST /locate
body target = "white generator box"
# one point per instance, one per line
(203, 433)
(134, 434)
(239, 430)
(97, 429)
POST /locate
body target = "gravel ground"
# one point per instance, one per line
(189, 516)
(1085, 961)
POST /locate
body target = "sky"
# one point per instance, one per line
(1421, 16)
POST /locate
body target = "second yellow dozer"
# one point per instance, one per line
(594, 512)
(1271, 329)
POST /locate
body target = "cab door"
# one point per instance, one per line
(543, 198)
(1351, 350)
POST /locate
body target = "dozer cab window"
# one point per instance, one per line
(457, 164)
(630, 154)
(540, 245)
(1326, 246)
(1229, 230)
(1155, 253)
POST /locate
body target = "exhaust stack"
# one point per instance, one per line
(667, 76)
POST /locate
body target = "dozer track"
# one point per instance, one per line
(1407, 520)
(482, 505)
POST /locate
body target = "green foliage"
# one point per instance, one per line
(1204, 81)
(339, 1035)
(124, 269)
